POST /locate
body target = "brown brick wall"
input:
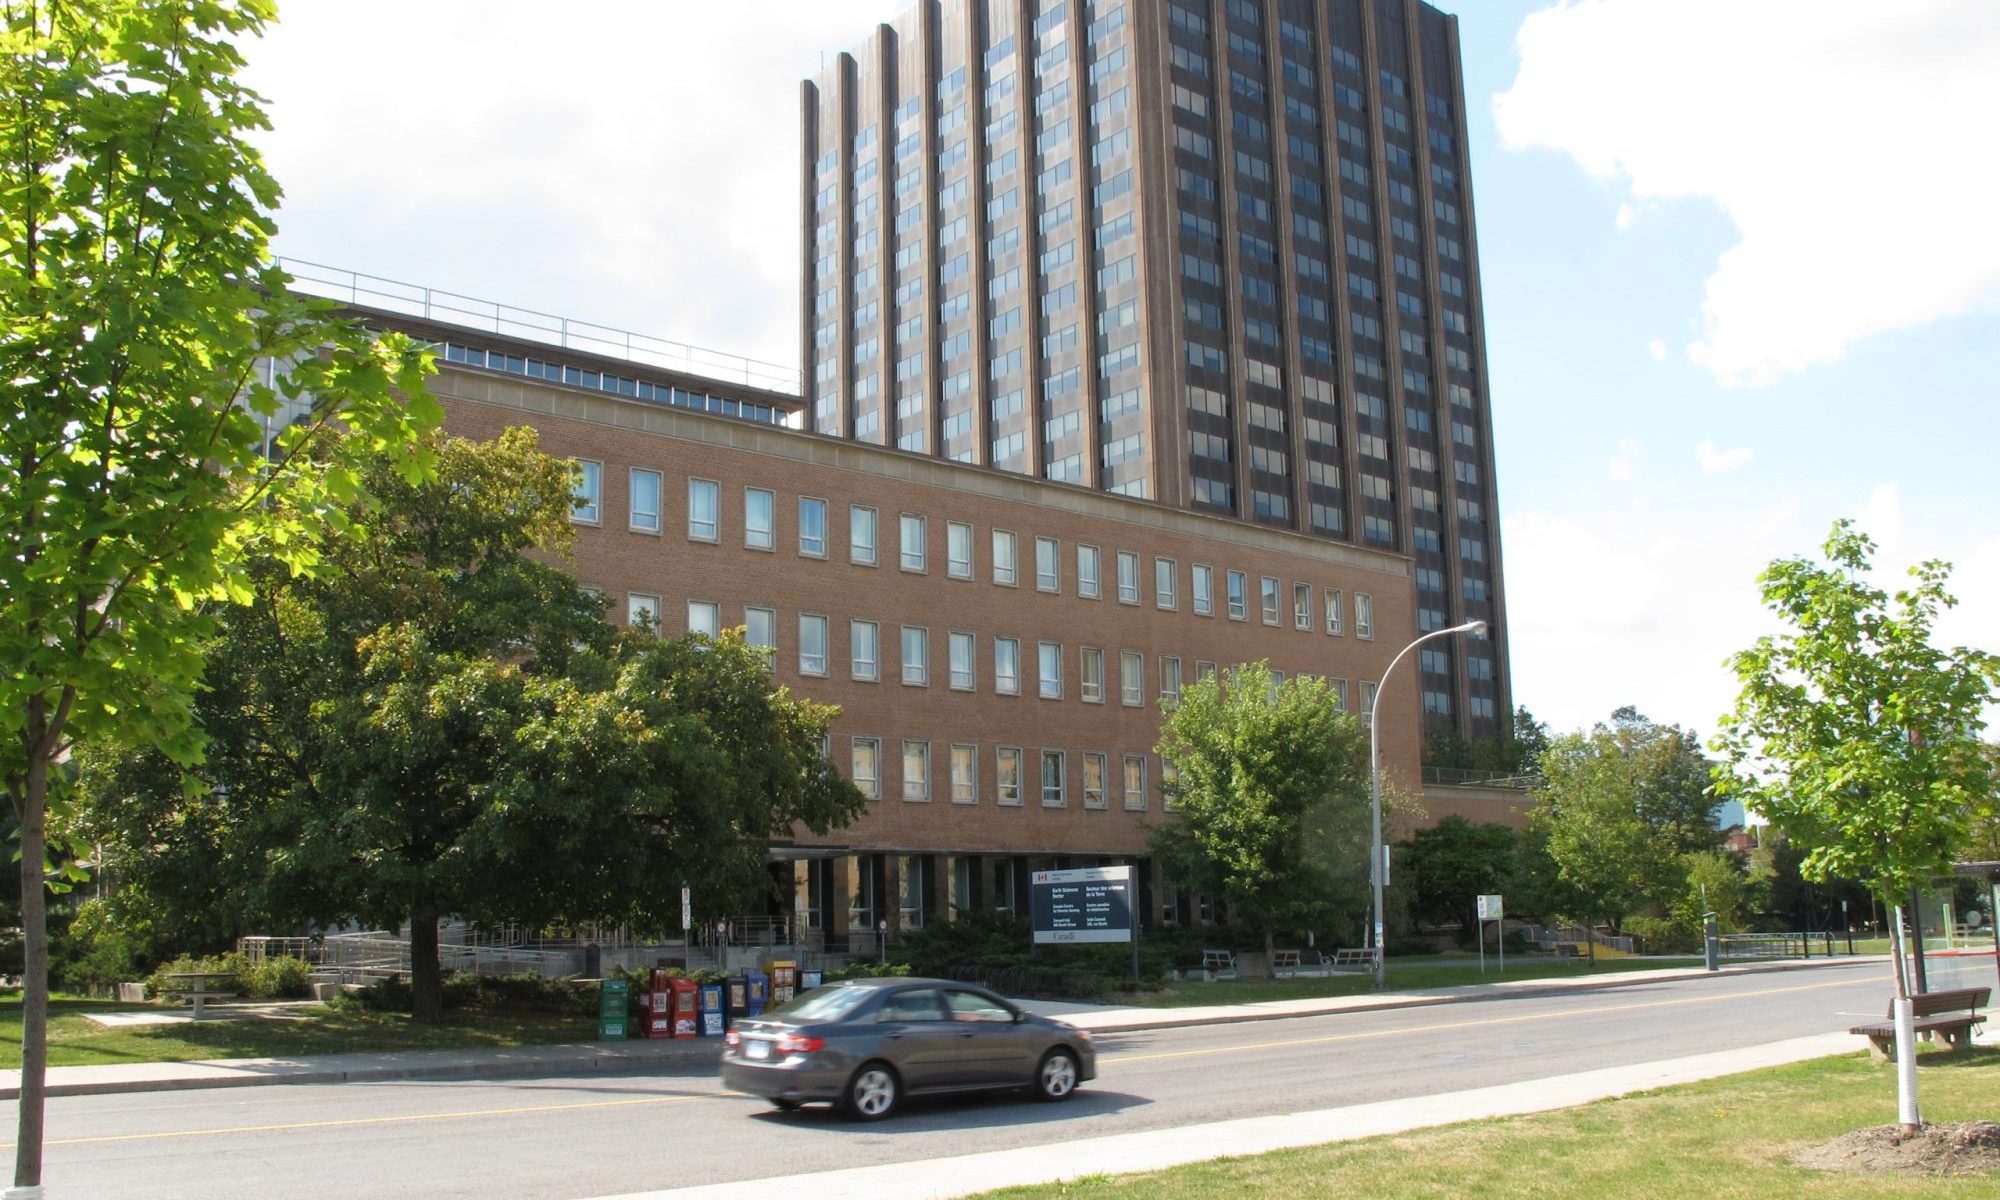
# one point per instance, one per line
(626, 434)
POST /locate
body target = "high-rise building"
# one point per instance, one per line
(1216, 254)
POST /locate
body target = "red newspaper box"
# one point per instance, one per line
(686, 1007)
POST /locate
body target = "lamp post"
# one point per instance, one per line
(1376, 863)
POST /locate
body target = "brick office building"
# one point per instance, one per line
(998, 645)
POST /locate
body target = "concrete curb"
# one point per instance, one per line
(703, 1053)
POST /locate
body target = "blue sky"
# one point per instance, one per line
(1740, 271)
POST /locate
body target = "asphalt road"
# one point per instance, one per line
(565, 1139)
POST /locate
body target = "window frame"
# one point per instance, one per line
(1131, 558)
(1044, 652)
(1169, 599)
(1125, 781)
(922, 792)
(825, 643)
(1001, 678)
(923, 661)
(586, 492)
(971, 783)
(1001, 756)
(713, 490)
(1364, 616)
(1270, 600)
(1103, 764)
(1132, 694)
(872, 788)
(714, 611)
(952, 563)
(814, 503)
(1335, 602)
(765, 539)
(653, 608)
(1061, 793)
(1201, 589)
(1012, 558)
(855, 548)
(905, 521)
(1236, 593)
(633, 512)
(875, 660)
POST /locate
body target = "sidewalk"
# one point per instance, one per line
(701, 1054)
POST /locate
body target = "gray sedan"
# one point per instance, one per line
(866, 1043)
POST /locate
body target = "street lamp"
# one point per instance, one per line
(1377, 864)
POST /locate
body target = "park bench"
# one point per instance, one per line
(1350, 959)
(1951, 1014)
(1218, 964)
(1290, 964)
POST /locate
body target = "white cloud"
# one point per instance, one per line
(1844, 138)
(1714, 461)
(1626, 215)
(1637, 603)
(1622, 464)
(1658, 349)
(631, 163)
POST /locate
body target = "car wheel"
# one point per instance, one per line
(785, 1105)
(872, 1093)
(1056, 1078)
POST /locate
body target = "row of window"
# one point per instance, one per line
(962, 657)
(913, 553)
(605, 381)
(1011, 782)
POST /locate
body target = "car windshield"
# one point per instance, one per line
(823, 1004)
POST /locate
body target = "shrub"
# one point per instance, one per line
(93, 953)
(280, 977)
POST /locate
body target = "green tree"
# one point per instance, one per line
(1672, 791)
(137, 479)
(1270, 788)
(443, 726)
(1446, 867)
(1587, 809)
(1859, 737)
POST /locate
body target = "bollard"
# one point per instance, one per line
(1711, 941)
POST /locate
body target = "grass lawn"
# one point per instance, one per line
(1404, 974)
(75, 1041)
(1726, 1139)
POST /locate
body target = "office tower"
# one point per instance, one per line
(1214, 254)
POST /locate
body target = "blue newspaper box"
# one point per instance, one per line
(711, 1010)
(758, 992)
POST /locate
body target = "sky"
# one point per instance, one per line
(1740, 269)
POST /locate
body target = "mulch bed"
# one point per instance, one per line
(1966, 1148)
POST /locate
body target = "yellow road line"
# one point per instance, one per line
(1477, 1024)
(352, 1121)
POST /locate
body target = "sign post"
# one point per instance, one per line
(1088, 904)
(1490, 910)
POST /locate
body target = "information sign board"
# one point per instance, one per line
(1088, 904)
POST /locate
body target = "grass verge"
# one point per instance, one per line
(1725, 1139)
(75, 1041)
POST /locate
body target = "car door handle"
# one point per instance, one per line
(965, 1035)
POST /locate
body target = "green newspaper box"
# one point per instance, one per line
(613, 998)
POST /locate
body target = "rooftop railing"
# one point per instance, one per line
(506, 320)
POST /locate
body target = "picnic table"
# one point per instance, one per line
(199, 987)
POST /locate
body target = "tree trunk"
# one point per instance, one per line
(426, 974)
(1270, 953)
(1590, 940)
(34, 968)
(1907, 1114)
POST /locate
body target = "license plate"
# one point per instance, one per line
(756, 1049)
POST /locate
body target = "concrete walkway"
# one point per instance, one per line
(700, 1055)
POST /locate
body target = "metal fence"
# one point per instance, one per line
(433, 304)
(1740, 947)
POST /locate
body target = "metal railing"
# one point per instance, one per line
(1515, 780)
(1762, 946)
(506, 320)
